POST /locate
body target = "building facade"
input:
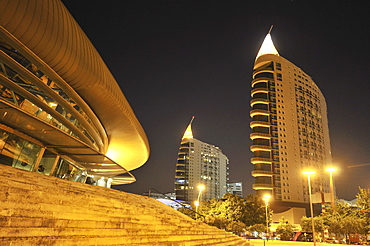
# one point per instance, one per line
(61, 111)
(235, 188)
(200, 164)
(289, 128)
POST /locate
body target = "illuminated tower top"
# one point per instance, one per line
(267, 46)
(188, 132)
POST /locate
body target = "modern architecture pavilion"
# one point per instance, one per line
(289, 128)
(62, 113)
(200, 164)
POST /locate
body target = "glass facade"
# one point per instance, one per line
(20, 153)
(26, 86)
(17, 152)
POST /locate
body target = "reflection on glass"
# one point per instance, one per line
(65, 170)
(17, 152)
(46, 163)
(20, 153)
(44, 97)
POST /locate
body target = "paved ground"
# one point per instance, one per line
(260, 242)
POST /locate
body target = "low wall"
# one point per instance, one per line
(40, 210)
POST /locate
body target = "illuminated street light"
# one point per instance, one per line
(331, 170)
(309, 173)
(201, 188)
(266, 198)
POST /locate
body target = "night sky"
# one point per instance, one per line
(175, 59)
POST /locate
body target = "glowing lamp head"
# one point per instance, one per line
(196, 203)
(331, 169)
(201, 187)
(309, 172)
(266, 197)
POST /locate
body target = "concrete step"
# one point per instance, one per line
(40, 210)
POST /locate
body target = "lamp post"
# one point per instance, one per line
(200, 188)
(196, 203)
(309, 173)
(266, 198)
(331, 170)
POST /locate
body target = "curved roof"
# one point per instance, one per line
(188, 132)
(49, 31)
(267, 47)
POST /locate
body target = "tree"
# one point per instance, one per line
(348, 220)
(258, 228)
(363, 202)
(231, 208)
(236, 226)
(217, 221)
(285, 229)
(306, 224)
(254, 211)
(189, 212)
(346, 225)
(222, 212)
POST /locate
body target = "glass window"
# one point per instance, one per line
(65, 170)
(46, 163)
(264, 75)
(17, 152)
(5, 156)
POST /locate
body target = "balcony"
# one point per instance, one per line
(263, 186)
(256, 160)
(263, 69)
(255, 135)
(254, 112)
(259, 123)
(259, 90)
(259, 100)
(258, 173)
(266, 79)
(260, 147)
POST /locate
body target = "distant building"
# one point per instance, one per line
(290, 130)
(235, 188)
(200, 163)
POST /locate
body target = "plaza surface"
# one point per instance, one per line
(260, 242)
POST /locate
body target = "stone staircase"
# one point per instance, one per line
(40, 210)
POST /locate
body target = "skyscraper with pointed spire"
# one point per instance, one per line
(289, 128)
(200, 164)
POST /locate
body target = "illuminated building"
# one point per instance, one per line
(289, 128)
(61, 111)
(200, 163)
(235, 188)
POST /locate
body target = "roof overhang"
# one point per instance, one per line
(85, 156)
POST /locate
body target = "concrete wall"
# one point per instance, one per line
(36, 209)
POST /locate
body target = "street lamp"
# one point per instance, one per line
(266, 198)
(331, 170)
(309, 173)
(200, 188)
(196, 203)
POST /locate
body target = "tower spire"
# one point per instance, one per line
(188, 132)
(270, 29)
(267, 46)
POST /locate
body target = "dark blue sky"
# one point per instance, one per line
(175, 59)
